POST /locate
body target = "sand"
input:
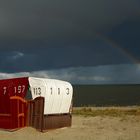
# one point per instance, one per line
(84, 128)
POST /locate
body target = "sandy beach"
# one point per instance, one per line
(84, 128)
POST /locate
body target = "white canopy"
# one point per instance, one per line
(57, 93)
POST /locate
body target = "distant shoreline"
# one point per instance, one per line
(107, 111)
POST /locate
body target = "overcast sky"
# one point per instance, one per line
(84, 42)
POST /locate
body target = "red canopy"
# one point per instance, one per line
(14, 87)
(11, 87)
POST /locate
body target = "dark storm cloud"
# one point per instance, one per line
(38, 35)
(45, 58)
(127, 35)
(109, 74)
(55, 20)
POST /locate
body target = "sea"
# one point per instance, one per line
(106, 95)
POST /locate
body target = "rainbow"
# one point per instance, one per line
(122, 50)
